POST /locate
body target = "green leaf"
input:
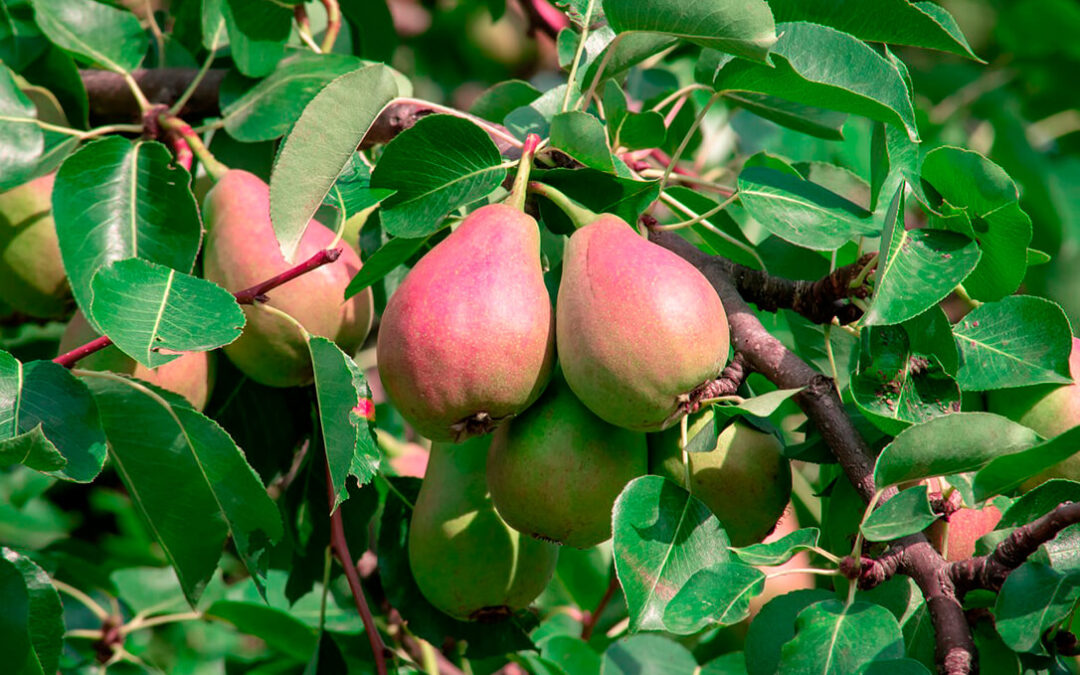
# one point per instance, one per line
(97, 33)
(15, 642)
(642, 130)
(20, 40)
(573, 655)
(257, 34)
(894, 158)
(895, 667)
(1003, 474)
(732, 663)
(535, 118)
(1017, 341)
(496, 102)
(20, 136)
(744, 28)
(320, 145)
(820, 67)
(774, 626)
(652, 654)
(833, 638)
(440, 164)
(694, 204)
(827, 124)
(979, 200)
(780, 551)
(327, 658)
(906, 513)
(117, 199)
(951, 444)
(207, 476)
(662, 536)
(1033, 598)
(804, 213)
(278, 629)
(267, 110)
(630, 50)
(601, 192)
(146, 308)
(382, 262)
(582, 136)
(757, 406)
(931, 333)
(895, 387)
(717, 595)
(344, 403)
(45, 618)
(48, 415)
(920, 267)
(898, 22)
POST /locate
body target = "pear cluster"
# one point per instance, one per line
(540, 417)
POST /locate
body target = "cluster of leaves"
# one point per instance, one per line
(814, 115)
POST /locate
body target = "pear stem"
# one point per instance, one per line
(178, 126)
(248, 296)
(577, 213)
(521, 180)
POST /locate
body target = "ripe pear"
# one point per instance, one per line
(1049, 409)
(468, 339)
(638, 327)
(32, 278)
(191, 375)
(555, 470)
(745, 480)
(241, 250)
(467, 562)
(965, 527)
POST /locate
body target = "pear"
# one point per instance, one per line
(32, 278)
(638, 328)
(466, 561)
(191, 375)
(241, 250)
(555, 470)
(744, 480)
(468, 340)
(956, 539)
(1049, 409)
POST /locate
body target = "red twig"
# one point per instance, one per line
(544, 17)
(589, 624)
(248, 296)
(333, 24)
(341, 550)
(181, 150)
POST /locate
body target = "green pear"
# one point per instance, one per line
(467, 339)
(468, 562)
(638, 327)
(32, 278)
(191, 375)
(555, 470)
(745, 480)
(241, 250)
(1049, 409)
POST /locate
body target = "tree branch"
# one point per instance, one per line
(914, 556)
(990, 571)
(248, 296)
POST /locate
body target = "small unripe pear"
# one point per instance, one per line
(467, 339)
(639, 328)
(744, 480)
(32, 278)
(191, 375)
(1049, 409)
(242, 250)
(467, 562)
(555, 470)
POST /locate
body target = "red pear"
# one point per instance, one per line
(242, 250)
(639, 328)
(467, 339)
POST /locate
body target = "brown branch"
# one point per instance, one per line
(732, 377)
(248, 296)
(341, 549)
(990, 571)
(111, 99)
(589, 622)
(955, 652)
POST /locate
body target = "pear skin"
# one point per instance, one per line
(638, 327)
(1049, 409)
(744, 480)
(466, 561)
(191, 375)
(32, 277)
(555, 470)
(241, 250)
(468, 338)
